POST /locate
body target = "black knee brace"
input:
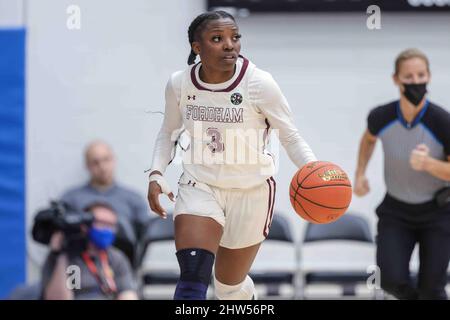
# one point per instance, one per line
(195, 273)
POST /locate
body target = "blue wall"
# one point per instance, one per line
(12, 159)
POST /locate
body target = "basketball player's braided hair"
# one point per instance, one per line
(197, 26)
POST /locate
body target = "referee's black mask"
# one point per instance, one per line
(415, 92)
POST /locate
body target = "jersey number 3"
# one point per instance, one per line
(216, 144)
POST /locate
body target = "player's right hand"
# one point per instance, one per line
(361, 185)
(154, 190)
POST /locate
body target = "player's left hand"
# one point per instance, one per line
(419, 157)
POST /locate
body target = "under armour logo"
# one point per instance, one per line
(193, 183)
(193, 253)
(191, 97)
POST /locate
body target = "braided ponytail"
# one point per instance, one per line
(192, 57)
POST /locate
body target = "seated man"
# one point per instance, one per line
(131, 207)
(104, 272)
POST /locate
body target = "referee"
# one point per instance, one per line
(415, 135)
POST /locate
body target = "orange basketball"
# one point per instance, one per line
(320, 192)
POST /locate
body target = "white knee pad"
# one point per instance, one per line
(241, 291)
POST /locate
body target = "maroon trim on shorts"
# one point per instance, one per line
(273, 200)
(271, 203)
(230, 87)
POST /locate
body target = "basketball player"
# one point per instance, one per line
(225, 200)
(416, 141)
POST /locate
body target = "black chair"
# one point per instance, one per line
(349, 227)
(126, 241)
(279, 231)
(158, 230)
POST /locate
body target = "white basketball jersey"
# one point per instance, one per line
(228, 134)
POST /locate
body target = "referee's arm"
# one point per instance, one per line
(366, 147)
(420, 160)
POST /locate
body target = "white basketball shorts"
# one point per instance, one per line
(245, 214)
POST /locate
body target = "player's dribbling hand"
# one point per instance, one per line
(156, 186)
(361, 185)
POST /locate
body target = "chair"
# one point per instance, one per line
(159, 230)
(126, 242)
(280, 231)
(349, 227)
